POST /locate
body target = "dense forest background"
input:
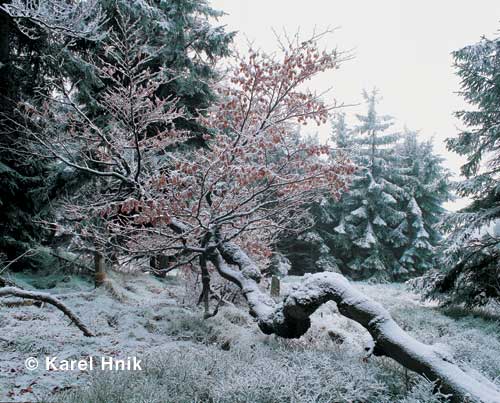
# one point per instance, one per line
(135, 140)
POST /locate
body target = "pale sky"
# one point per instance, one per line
(400, 46)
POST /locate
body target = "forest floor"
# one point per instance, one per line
(224, 359)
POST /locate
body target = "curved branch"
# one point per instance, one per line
(44, 297)
(291, 319)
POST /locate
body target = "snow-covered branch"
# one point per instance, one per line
(79, 19)
(49, 299)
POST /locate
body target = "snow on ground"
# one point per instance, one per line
(226, 358)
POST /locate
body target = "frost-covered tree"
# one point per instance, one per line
(386, 224)
(367, 225)
(35, 40)
(471, 252)
(426, 186)
(181, 38)
(247, 185)
(76, 19)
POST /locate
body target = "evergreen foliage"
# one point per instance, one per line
(385, 225)
(426, 186)
(184, 45)
(26, 64)
(369, 223)
(181, 40)
(471, 253)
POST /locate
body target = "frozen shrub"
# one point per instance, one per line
(236, 316)
(31, 345)
(423, 391)
(243, 375)
(188, 324)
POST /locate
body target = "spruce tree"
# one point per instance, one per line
(368, 223)
(385, 225)
(426, 185)
(33, 45)
(470, 270)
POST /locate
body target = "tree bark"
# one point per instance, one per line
(44, 297)
(275, 287)
(291, 319)
(100, 269)
(205, 286)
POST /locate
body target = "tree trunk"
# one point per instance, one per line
(275, 287)
(291, 319)
(205, 286)
(100, 269)
(159, 262)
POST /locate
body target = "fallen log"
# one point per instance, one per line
(291, 319)
(49, 299)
